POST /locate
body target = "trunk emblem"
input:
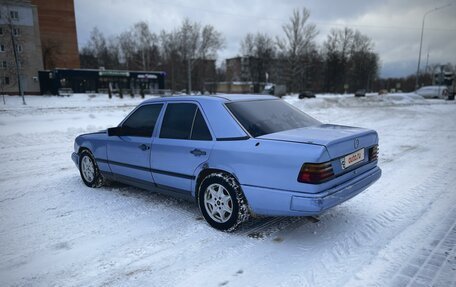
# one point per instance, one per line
(356, 143)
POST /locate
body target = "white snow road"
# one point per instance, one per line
(54, 231)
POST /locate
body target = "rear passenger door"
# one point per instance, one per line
(184, 143)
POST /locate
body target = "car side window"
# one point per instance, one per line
(178, 120)
(141, 122)
(200, 131)
(184, 121)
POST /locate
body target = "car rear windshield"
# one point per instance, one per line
(269, 116)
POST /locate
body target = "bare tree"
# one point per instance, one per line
(95, 53)
(101, 51)
(211, 42)
(113, 53)
(197, 43)
(363, 68)
(335, 60)
(350, 62)
(127, 48)
(345, 42)
(98, 44)
(261, 50)
(51, 50)
(4, 74)
(248, 45)
(170, 55)
(299, 40)
(88, 58)
(146, 45)
(142, 37)
(188, 39)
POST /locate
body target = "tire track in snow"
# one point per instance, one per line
(343, 254)
(262, 228)
(415, 239)
(391, 221)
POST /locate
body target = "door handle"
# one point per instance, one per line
(198, 152)
(143, 147)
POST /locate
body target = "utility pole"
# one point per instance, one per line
(427, 62)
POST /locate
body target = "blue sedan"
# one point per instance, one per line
(235, 155)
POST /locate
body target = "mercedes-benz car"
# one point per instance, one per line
(236, 156)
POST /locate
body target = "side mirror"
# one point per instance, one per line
(117, 131)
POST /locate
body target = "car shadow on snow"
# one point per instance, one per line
(256, 228)
(160, 200)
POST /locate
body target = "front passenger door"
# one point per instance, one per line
(129, 154)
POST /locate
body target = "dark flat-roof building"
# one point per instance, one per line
(64, 81)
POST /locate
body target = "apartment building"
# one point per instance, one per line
(20, 36)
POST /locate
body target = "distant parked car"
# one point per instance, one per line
(360, 93)
(234, 155)
(433, 92)
(306, 94)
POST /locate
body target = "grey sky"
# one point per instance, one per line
(394, 26)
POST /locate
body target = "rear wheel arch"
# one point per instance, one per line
(207, 171)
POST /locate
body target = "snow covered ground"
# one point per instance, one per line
(54, 231)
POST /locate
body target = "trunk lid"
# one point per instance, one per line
(338, 140)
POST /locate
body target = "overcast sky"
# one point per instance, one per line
(393, 25)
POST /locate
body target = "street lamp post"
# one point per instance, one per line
(421, 41)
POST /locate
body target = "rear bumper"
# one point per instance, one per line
(273, 202)
(75, 158)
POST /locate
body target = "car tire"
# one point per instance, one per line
(222, 202)
(89, 170)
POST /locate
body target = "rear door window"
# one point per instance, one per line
(184, 121)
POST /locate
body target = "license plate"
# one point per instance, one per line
(352, 159)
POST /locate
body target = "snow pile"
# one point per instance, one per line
(323, 101)
(70, 101)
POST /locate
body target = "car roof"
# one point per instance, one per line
(222, 123)
(219, 98)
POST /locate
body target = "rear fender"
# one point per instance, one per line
(207, 168)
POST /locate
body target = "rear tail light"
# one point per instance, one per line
(373, 153)
(315, 172)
